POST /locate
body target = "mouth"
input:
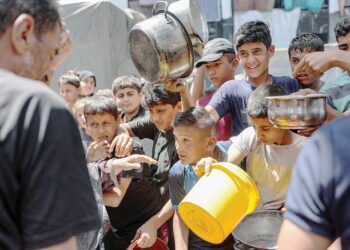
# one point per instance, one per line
(252, 68)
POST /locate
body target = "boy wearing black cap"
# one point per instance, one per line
(219, 63)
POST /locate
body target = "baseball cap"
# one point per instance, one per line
(214, 49)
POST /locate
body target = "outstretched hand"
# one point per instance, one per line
(203, 166)
(132, 162)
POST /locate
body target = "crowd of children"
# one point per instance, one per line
(138, 195)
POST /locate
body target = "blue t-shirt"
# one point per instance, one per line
(232, 97)
(181, 180)
(319, 195)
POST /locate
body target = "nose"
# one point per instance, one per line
(251, 59)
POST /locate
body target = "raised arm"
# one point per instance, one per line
(181, 232)
(197, 86)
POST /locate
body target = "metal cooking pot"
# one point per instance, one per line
(297, 112)
(191, 15)
(160, 47)
(258, 231)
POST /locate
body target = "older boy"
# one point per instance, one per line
(254, 50)
(270, 152)
(300, 46)
(122, 207)
(219, 63)
(127, 94)
(69, 89)
(194, 131)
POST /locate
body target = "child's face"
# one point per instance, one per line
(344, 42)
(79, 114)
(87, 86)
(193, 143)
(102, 126)
(220, 70)
(302, 76)
(254, 58)
(69, 93)
(267, 134)
(162, 115)
(128, 99)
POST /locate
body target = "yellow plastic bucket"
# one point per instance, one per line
(218, 202)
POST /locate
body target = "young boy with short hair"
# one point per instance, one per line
(219, 63)
(108, 173)
(127, 93)
(270, 152)
(194, 131)
(69, 89)
(300, 46)
(254, 49)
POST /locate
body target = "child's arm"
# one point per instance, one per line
(234, 155)
(180, 85)
(181, 232)
(198, 84)
(114, 197)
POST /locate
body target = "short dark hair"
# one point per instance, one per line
(127, 81)
(258, 104)
(342, 27)
(99, 105)
(155, 94)
(196, 117)
(69, 79)
(306, 41)
(253, 31)
(44, 12)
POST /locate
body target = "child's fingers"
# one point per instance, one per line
(142, 159)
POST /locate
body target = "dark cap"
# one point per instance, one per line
(85, 74)
(214, 49)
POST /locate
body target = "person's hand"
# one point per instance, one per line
(146, 235)
(177, 85)
(98, 151)
(315, 63)
(203, 166)
(122, 144)
(198, 47)
(305, 92)
(307, 131)
(132, 162)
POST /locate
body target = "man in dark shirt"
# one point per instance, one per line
(318, 201)
(46, 196)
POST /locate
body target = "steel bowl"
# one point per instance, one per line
(258, 230)
(296, 111)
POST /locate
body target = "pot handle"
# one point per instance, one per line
(156, 7)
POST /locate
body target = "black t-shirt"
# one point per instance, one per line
(45, 192)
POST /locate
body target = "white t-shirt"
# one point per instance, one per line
(270, 166)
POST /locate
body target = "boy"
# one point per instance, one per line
(163, 105)
(102, 122)
(127, 94)
(194, 131)
(87, 83)
(270, 152)
(219, 63)
(254, 50)
(300, 46)
(69, 89)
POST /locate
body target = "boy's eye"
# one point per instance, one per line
(295, 61)
(120, 96)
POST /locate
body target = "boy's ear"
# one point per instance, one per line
(211, 143)
(271, 50)
(234, 64)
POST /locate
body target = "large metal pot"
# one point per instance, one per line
(258, 231)
(160, 47)
(191, 15)
(296, 111)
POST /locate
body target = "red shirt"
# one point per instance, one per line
(223, 125)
